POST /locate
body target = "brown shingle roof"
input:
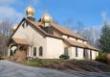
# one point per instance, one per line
(36, 25)
(75, 43)
(63, 31)
(57, 27)
(66, 31)
(91, 47)
(82, 45)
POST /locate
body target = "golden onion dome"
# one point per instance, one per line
(46, 18)
(30, 11)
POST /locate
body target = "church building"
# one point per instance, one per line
(46, 39)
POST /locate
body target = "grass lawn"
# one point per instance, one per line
(42, 62)
(77, 65)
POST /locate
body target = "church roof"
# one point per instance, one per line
(65, 32)
(37, 25)
(82, 45)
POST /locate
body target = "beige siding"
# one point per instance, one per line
(80, 53)
(72, 53)
(19, 33)
(52, 47)
(94, 54)
(34, 38)
(55, 48)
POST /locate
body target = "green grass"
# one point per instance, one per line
(42, 62)
(78, 65)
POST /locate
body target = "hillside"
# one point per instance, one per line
(75, 65)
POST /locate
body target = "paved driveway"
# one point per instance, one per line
(10, 69)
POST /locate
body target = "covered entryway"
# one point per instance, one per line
(18, 49)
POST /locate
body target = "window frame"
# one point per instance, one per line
(34, 51)
(66, 51)
(90, 54)
(84, 53)
(40, 51)
(76, 52)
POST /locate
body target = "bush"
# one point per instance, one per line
(64, 57)
(102, 57)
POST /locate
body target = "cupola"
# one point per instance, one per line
(30, 12)
(46, 19)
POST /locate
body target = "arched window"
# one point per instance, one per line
(40, 51)
(34, 51)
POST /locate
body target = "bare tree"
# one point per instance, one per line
(91, 34)
(5, 31)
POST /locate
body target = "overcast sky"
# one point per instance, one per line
(88, 12)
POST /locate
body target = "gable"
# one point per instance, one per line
(28, 31)
(20, 32)
(20, 29)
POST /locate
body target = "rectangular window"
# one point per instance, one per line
(76, 52)
(66, 51)
(90, 55)
(84, 53)
(34, 51)
(41, 51)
